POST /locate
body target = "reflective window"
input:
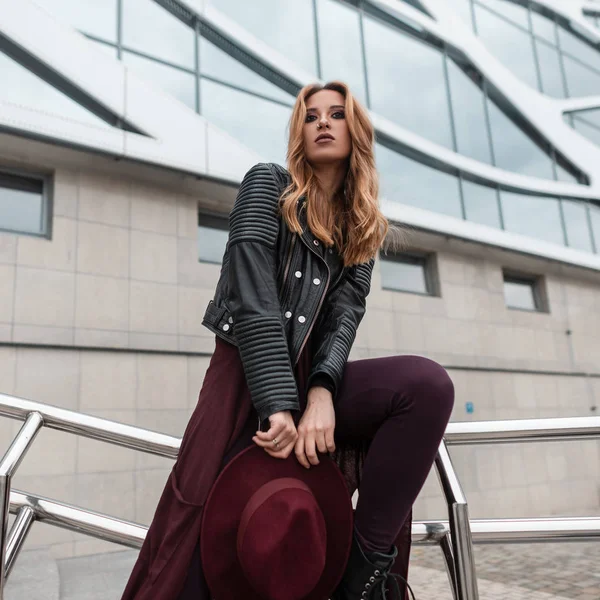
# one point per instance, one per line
(259, 124)
(409, 182)
(509, 10)
(514, 150)
(543, 27)
(340, 45)
(595, 220)
(97, 17)
(468, 108)
(550, 70)
(411, 92)
(21, 204)
(212, 238)
(576, 224)
(578, 48)
(481, 204)
(407, 273)
(522, 293)
(534, 216)
(219, 65)
(581, 81)
(20, 86)
(285, 25)
(589, 130)
(511, 45)
(176, 82)
(149, 28)
(106, 48)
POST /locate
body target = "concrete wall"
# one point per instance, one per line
(105, 318)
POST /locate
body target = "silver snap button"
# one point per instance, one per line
(316, 281)
(226, 327)
(316, 242)
(330, 250)
(298, 274)
(230, 319)
(301, 318)
(288, 314)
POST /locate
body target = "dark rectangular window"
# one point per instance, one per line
(524, 292)
(409, 272)
(213, 232)
(22, 203)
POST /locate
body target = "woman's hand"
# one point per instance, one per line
(283, 430)
(316, 427)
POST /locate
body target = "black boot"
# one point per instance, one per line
(366, 576)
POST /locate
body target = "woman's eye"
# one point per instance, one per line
(340, 113)
(309, 118)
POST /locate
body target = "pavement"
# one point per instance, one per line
(559, 571)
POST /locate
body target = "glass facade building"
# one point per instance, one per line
(397, 63)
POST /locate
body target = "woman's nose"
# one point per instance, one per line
(323, 122)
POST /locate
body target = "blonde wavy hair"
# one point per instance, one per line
(351, 220)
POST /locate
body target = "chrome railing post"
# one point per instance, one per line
(16, 537)
(460, 530)
(11, 460)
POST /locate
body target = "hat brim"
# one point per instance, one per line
(248, 471)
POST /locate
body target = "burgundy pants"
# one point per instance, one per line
(402, 404)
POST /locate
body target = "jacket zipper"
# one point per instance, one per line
(287, 264)
(318, 306)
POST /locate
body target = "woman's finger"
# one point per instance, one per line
(281, 443)
(310, 449)
(329, 440)
(283, 452)
(320, 441)
(299, 450)
(273, 432)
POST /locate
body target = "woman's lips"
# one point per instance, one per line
(323, 140)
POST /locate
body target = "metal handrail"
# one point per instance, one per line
(455, 537)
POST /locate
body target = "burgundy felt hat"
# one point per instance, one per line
(273, 530)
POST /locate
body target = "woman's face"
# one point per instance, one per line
(326, 135)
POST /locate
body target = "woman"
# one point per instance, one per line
(291, 295)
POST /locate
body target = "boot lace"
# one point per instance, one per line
(381, 579)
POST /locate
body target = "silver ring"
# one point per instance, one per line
(276, 442)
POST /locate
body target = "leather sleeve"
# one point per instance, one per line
(252, 294)
(337, 324)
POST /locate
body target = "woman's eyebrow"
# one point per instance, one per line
(333, 106)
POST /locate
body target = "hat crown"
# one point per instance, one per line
(281, 527)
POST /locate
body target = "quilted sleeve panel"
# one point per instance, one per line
(252, 294)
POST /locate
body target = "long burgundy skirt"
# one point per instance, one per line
(169, 566)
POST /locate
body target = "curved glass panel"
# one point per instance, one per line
(259, 124)
(96, 17)
(510, 44)
(550, 70)
(583, 124)
(411, 92)
(21, 87)
(509, 10)
(468, 109)
(576, 225)
(581, 80)
(544, 27)
(286, 25)
(576, 47)
(534, 216)
(219, 65)
(149, 28)
(514, 150)
(410, 182)
(481, 204)
(174, 81)
(340, 45)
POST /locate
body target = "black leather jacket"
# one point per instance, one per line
(274, 291)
